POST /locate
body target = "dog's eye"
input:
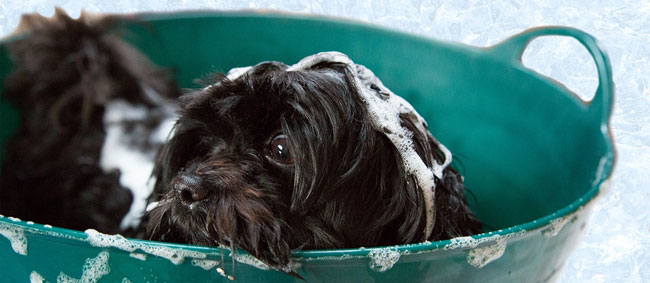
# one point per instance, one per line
(279, 150)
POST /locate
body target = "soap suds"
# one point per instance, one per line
(205, 263)
(16, 236)
(142, 257)
(126, 280)
(251, 260)
(491, 247)
(556, 225)
(255, 262)
(93, 270)
(384, 109)
(237, 72)
(469, 242)
(175, 255)
(383, 259)
(480, 257)
(34, 277)
(602, 164)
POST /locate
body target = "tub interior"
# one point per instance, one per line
(525, 151)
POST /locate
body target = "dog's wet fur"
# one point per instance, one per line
(270, 162)
(342, 186)
(65, 72)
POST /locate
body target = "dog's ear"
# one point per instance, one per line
(453, 216)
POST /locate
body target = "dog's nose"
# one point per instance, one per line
(189, 189)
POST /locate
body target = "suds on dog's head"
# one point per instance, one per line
(226, 176)
(65, 72)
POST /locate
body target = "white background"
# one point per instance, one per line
(616, 247)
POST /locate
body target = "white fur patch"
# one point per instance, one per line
(120, 152)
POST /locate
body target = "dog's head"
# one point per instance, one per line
(274, 158)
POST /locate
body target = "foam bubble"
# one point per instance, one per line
(237, 72)
(556, 225)
(480, 257)
(126, 280)
(491, 247)
(205, 263)
(251, 260)
(142, 257)
(175, 255)
(93, 270)
(16, 236)
(383, 259)
(469, 242)
(34, 277)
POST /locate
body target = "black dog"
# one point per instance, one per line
(319, 155)
(71, 81)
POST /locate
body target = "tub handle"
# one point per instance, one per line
(601, 105)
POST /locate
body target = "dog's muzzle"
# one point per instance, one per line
(189, 189)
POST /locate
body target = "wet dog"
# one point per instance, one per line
(85, 98)
(318, 155)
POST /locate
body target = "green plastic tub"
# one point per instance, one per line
(535, 156)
